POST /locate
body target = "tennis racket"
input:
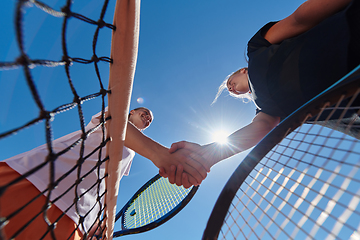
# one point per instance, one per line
(156, 202)
(302, 181)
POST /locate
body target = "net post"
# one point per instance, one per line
(124, 49)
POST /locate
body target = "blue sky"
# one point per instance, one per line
(186, 49)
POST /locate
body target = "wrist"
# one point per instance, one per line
(159, 154)
(212, 153)
(216, 152)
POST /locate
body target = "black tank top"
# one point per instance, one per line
(285, 76)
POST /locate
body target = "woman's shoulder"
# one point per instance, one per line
(258, 39)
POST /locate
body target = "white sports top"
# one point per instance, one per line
(28, 160)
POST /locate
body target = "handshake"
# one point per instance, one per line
(188, 163)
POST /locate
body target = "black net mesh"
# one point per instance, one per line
(70, 63)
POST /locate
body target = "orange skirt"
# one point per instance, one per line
(18, 195)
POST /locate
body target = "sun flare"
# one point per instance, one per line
(220, 137)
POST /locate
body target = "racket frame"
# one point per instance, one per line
(345, 87)
(158, 221)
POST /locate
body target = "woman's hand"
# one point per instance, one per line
(163, 159)
(178, 174)
(210, 154)
(183, 167)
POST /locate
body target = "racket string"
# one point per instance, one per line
(153, 203)
(311, 184)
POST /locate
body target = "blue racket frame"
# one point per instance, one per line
(157, 222)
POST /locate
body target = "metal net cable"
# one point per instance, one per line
(27, 64)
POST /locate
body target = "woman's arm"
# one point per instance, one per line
(160, 155)
(245, 137)
(239, 141)
(305, 17)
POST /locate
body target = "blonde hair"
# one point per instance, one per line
(223, 86)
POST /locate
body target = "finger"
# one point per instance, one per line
(185, 181)
(179, 172)
(192, 180)
(204, 164)
(176, 146)
(162, 172)
(171, 174)
(196, 170)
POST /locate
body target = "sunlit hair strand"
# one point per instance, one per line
(246, 97)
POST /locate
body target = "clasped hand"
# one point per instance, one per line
(191, 167)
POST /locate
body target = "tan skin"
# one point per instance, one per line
(139, 120)
(238, 83)
(305, 17)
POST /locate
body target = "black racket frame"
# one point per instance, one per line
(347, 86)
(157, 222)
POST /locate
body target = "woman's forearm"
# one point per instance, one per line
(241, 140)
(305, 17)
(161, 156)
(144, 145)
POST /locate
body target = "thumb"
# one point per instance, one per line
(176, 146)
(162, 172)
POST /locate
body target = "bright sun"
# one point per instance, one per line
(220, 137)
